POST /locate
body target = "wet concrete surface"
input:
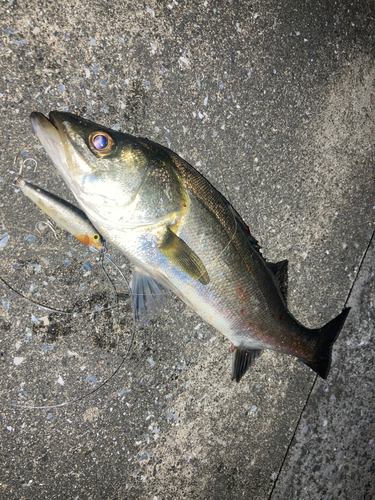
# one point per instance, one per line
(274, 104)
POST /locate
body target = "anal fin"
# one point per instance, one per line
(241, 360)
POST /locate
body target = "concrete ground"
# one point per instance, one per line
(274, 102)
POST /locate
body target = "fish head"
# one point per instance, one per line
(114, 176)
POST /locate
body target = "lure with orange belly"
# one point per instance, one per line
(66, 216)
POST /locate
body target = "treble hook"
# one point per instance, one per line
(48, 224)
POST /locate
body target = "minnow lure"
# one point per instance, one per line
(71, 219)
(66, 215)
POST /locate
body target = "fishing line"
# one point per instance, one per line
(59, 311)
(104, 254)
(78, 313)
(80, 398)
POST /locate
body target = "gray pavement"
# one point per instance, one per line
(332, 453)
(274, 103)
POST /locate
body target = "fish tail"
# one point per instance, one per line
(326, 336)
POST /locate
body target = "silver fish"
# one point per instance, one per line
(181, 234)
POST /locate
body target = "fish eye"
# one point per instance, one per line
(96, 237)
(101, 143)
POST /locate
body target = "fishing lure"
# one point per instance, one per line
(66, 215)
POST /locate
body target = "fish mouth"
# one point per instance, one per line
(43, 125)
(58, 134)
(51, 132)
(53, 118)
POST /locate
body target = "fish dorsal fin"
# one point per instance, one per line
(280, 270)
(183, 257)
(241, 360)
(148, 296)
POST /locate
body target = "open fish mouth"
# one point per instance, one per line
(50, 132)
(44, 126)
(53, 135)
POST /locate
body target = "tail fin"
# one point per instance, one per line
(327, 336)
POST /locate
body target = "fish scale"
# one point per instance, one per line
(183, 235)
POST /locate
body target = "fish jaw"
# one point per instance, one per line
(52, 135)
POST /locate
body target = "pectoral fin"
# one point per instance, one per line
(183, 257)
(241, 360)
(148, 296)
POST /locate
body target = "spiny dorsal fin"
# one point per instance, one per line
(241, 360)
(183, 257)
(280, 270)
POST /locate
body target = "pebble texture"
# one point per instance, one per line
(274, 103)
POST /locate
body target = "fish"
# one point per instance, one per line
(67, 216)
(182, 236)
